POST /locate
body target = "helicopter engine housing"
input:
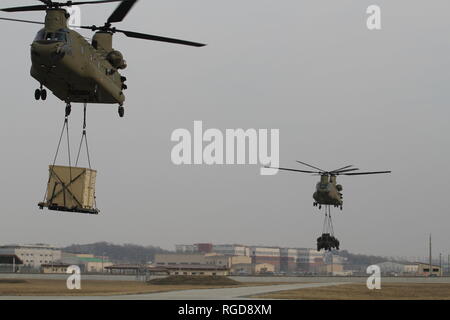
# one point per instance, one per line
(116, 59)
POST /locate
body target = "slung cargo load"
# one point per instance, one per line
(71, 189)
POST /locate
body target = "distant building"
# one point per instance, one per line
(333, 265)
(423, 269)
(197, 270)
(231, 249)
(33, 256)
(392, 268)
(185, 248)
(10, 263)
(135, 269)
(270, 255)
(236, 264)
(411, 269)
(194, 248)
(87, 262)
(54, 268)
(204, 247)
(284, 260)
(264, 268)
(289, 259)
(165, 259)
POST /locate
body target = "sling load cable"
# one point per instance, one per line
(65, 128)
(330, 222)
(85, 139)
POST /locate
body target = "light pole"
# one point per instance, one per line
(430, 266)
(448, 265)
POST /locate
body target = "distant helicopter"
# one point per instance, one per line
(328, 192)
(73, 69)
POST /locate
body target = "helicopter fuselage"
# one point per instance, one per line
(328, 192)
(72, 68)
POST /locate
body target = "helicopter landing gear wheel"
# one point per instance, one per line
(121, 111)
(44, 94)
(37, 94)
(68, 109)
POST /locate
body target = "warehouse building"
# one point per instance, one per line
(236, 264)
(270, 255)
(33, 256)
(197, 270)
(423, 269)
(263, 268)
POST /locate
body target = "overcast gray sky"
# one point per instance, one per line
(339, 94)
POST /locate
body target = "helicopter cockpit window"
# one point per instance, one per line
(51, 36)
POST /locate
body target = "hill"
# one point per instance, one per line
(126, 253)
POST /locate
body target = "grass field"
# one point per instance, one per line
(13, 287)
(389, 291)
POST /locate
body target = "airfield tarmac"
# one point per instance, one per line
(292, 283)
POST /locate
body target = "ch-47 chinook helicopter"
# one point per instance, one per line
(74, 69)
(328, 192)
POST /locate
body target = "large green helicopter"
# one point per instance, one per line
(71, 67)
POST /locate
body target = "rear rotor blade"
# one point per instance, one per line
(308, 165)
(365, 173)
(158, 38)
(18, 20)
(343, 171)
(336, 170)
(294, 170)
(122, 10)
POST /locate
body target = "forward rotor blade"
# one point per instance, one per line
(50, 4)
(308, 165)
(27, 8)
(18, 20)
(122, 10)
(294, 170)
(158, 38)
(365, 173)
(336, 170)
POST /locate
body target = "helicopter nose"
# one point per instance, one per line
(47, 54)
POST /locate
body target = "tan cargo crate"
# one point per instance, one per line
(71, 189)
